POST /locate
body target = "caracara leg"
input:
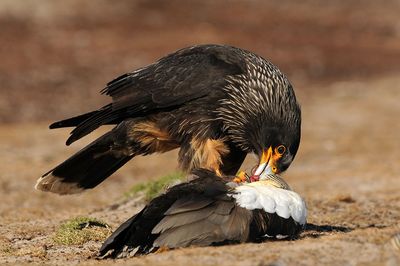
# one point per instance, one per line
(207, 154)
(150, 138)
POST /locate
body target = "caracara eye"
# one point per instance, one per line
(280, 149)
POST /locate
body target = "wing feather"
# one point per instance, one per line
(177, 79)
(220, 222)
(188, 204)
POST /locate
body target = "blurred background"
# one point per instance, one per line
(57, 55)
(343, 58)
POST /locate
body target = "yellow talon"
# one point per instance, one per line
(240, 177)
(162, 249)
(218, 172)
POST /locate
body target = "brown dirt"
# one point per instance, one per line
(347, 170)
(57, 55)
(342, 58)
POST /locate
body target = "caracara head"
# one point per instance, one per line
(276, 149)
(261, 114)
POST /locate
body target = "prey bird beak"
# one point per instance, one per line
(267, 165)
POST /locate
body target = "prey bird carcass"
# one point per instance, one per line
(210, 210)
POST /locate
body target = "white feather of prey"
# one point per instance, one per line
(285, 203)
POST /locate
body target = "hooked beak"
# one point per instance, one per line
(267, 165)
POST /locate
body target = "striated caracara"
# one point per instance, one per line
(210, 211)
(215, 103)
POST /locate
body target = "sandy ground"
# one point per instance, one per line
(342, 57)
(347, 170)
(57, 55)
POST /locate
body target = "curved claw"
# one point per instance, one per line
(241, 177)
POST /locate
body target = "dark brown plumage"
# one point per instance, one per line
(208, 211)
(216, 103)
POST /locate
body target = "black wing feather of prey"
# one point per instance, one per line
(180, 213)
(173, 81)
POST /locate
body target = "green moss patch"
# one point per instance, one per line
(80, 230)
(152, 189)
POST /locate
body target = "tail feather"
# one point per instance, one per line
(85, 169)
